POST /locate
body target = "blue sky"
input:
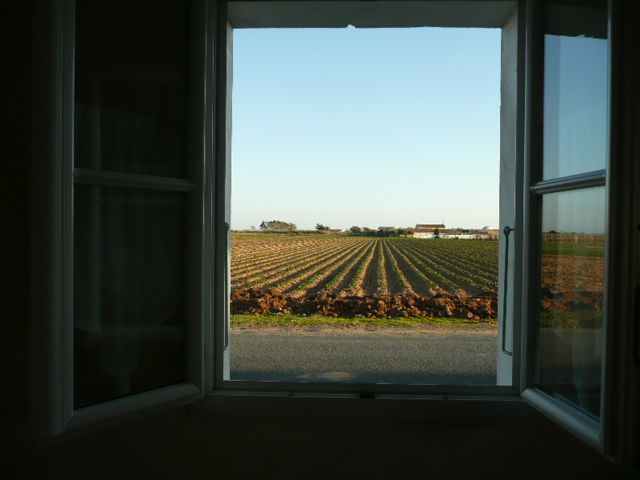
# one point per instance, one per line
(366, 127)
(575, 105)
(575, 129)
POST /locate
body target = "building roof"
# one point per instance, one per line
(428, 227)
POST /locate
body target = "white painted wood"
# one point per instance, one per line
(52, 287)
(222, 196)
(581, 425)
(166, 397)
(505, 15)
(227, 211)
(510, 202)
(440, 391)
(209, 176)
(621, 368)
(610, 433)
(375, 14)
(51, 347)
(199, 238)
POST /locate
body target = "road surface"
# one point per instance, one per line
(410, 357)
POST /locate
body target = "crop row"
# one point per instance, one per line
(269, 263)
(284, 269)
(363, 264)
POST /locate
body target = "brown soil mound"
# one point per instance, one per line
(439, 303)
(347, 304)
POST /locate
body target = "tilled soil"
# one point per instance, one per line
(356, 304)
(350, 305)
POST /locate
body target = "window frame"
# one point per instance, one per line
(609, 433)
(252, 13)
(579, 423)
(209, 129)
(52, 355)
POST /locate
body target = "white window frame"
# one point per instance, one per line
(52, 350)
(505, 14)
(611, 435)
(607, 435)
(52, 354)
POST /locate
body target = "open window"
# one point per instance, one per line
(136, 280)
(129, 179)
(570, 271)
(504, 16)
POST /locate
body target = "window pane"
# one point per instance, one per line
(131, 94)
(129, 312)
(575, 89)
(573, 272)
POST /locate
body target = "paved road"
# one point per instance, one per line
(371, 357)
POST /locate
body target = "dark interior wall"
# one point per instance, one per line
(16, 160)
(292, 438)
(630, 51)
(181, 442)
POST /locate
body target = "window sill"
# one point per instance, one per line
(383, 407)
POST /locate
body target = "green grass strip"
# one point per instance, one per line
(290, 320)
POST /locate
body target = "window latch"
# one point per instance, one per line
(507, 231)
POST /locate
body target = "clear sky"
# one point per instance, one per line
(575, 105)
(366, 127)
(575, 129)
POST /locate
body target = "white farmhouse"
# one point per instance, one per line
(428, 230)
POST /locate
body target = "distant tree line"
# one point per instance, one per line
(282, 226)
(380, 232)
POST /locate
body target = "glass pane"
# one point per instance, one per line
(575, 88)
(573, 273)
(129, 309)
(131, 92)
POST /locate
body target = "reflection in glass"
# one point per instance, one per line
(130, 86)
(573, 269)
(575, 89)
(129, 312)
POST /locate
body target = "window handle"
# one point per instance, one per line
(507, 230)
(227, 282)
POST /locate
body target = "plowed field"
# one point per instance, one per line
(345, 276)
(368, 277)
(305, 265)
